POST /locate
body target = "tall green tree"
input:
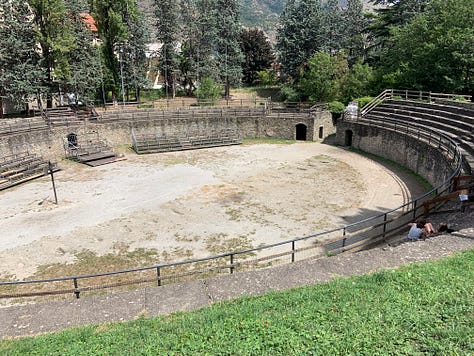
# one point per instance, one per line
(168, 29)
(392, 13)
(54, 36)
(205, 39)
(307, 27)
(135, 61)
(83, 59)
(114, 19)
(300, 35)
(257, 51)
(355, 39)
(20, 72)
(433, 51)
(358, 82)
(228, 53)
(323, 77)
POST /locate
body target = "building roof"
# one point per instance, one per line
(89, 20)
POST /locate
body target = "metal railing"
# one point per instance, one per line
(179, 114)
(352, 236)
(411, 95)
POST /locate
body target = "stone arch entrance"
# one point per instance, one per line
(348, 138)
(301, 132)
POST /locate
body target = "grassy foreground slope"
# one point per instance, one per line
(420, 309)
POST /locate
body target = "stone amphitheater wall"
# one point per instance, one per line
(49, 143)
(423, 159)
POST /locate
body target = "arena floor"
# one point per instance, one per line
(191, 204)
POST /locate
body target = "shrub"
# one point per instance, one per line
(208, 92)
(336, 107)
(289, 94)
(364, 101)
(267, 77)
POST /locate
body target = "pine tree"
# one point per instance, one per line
(135, 63)
(302, 32)
(355, 23)
(257, 52)
(20, 73)
(205, 39)
(116, 21)
(168, 29)
(83, 58)
(55, 39)
(228, 53)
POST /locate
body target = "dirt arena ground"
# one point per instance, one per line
(190, 204)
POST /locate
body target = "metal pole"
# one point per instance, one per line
(121, 73)
(50, 167)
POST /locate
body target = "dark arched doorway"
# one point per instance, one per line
(348, 138)
(321, 132)
(301, 130)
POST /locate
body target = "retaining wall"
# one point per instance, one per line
(425, 160)
(49, 143)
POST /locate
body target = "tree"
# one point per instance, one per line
(300, 34)
(205, 39)
(257, 52)
(358, 82)
(208, 92)
(307, 27)
(115, 21)
(434, 50)
(168, 29)
(394, 13)
(355, 25)
(20, 73)
(135, 62)
(228, 53)
(323, 77)
(83, 58)
(54, 36)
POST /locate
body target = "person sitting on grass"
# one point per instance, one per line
(421, 229)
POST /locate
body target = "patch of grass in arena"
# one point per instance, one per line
(88, 262)
(419, 309)
(422, 181)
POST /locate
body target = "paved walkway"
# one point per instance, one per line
(52, 316)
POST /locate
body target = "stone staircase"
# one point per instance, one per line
(155, 143)
(90, 149)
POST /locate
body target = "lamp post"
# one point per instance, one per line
(121, 71)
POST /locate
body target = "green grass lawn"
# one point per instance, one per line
(421, 309)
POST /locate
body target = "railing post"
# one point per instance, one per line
(158, 275)
(231, 263)
(76, 287)
(384, 224)
(292, 251)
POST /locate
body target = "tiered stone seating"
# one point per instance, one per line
(68, 116)
(155, 143)
(192, 113)
(15, 126)
(454, 120)
(89, 149)
(22, 167)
